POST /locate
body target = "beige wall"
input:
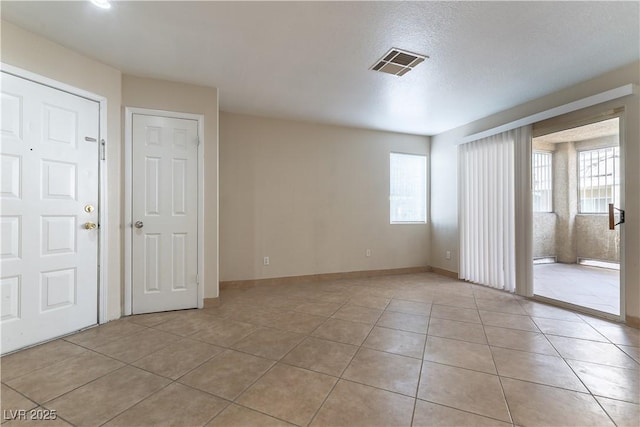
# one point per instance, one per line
(444, 209)
(312, 198)
(33, 53)
(185, 98)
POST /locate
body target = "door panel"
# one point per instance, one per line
(577, 260)
(49, 261)
(164, 203)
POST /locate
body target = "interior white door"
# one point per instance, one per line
(165, 213)
(49, 194)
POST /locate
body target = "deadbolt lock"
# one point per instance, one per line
(89, 208)
(90, 225)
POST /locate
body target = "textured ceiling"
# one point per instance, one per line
(310, 60)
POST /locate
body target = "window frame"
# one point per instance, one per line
(425, 157)
(579, 179)
(551, 161)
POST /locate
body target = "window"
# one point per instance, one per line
(542, 185)
(598, 179)
(408, 188)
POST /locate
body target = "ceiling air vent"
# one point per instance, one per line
(398, 62)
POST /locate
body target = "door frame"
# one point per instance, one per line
(619, 112)
(103, 218)
(128, 194)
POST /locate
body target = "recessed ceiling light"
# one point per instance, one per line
(102, 4)
(398, 62)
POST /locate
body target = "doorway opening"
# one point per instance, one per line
(575, 177)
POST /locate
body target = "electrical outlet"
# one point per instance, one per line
(266, 260)
(447, 254)
(368, 252)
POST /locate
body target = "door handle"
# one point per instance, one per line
(612, 217)
(90, 225)
(138, 224)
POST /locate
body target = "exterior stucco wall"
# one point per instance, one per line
(544, 234)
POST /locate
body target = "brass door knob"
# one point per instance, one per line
(90, 225)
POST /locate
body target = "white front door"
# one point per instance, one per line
(49, 196)
(164, 212)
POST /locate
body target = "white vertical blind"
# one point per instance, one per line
(487, 203)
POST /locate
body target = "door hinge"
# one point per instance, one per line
(198, 141)
(103, 149)
(197, 280)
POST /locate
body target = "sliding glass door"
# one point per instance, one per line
(576, 182)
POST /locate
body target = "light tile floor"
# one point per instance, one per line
(420, 350)
(592, 287)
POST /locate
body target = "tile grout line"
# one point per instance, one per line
(310, 335)
(21, 394)
(583, 383)
(183, 375)
(97, 327)
(466, 411)
(424, 349)
(58, 416)
(255, 410)
(88, 382)
(504, 395)
(130, 364)
(229, 403)
(344, 370)
(307, 334)
(80, 386)
(275, 363)
(137, 403)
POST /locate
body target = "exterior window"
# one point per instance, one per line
(542, 182)
(598, 179)
(408, 188)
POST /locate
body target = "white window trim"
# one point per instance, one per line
(128, 190)
(550, 153)
(426, 174)
(578, 152)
